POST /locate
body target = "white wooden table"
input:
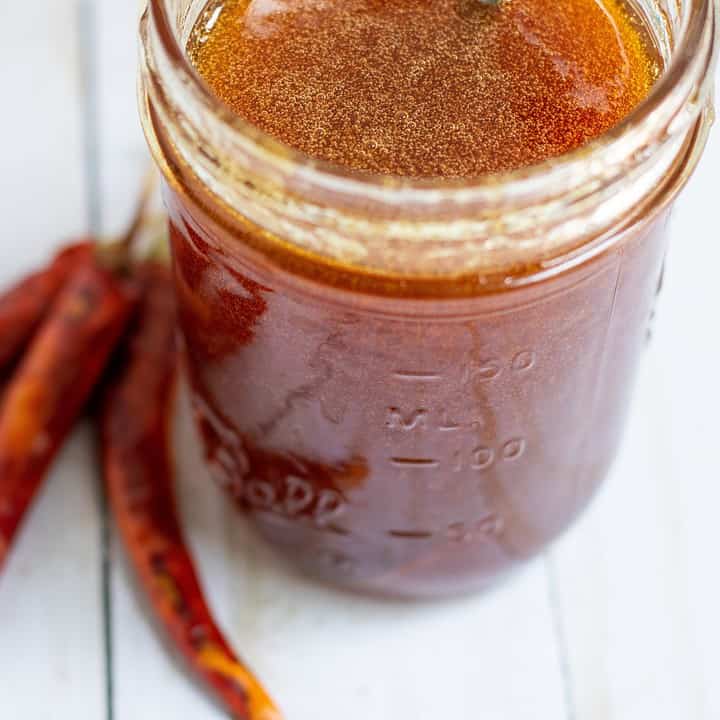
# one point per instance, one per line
(620, 621)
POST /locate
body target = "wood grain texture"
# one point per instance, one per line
(42, 198)
(638, 577)
(51, 653)
(50, 637)
(628, 598)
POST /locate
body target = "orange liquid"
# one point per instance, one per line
(424, 448)
(424, 88)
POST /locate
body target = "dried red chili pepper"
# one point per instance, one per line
(53, 382)
(76, 333)
(134, 429)
(23, 307)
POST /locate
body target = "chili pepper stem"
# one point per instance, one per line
(115, 255)
(147, 191)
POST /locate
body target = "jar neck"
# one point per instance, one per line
(505, 229)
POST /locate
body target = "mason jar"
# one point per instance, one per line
(413, 386)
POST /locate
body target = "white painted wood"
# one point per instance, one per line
(621, 573)
(122, 150)
(51, 649)
(638, 576)
(41, 189)
(689, 342)
(148, 683)
(50, 634)
(637, 579)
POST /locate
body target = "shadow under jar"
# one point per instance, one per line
(414, 385)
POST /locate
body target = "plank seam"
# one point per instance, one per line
(560, 636)
(88, 58)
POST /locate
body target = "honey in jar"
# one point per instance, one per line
(424, 88)
(417, 245)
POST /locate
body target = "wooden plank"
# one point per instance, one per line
(122, 149)
(623, 622)
(689, 340)
(43, 194)
(637, 587)
(637, 582)
(51, 651)
(147, 681)
(50, 639)
(327, 654)
(324, 654)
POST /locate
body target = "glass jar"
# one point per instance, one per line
(413, 386)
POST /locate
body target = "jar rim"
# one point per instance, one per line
(500, 230)
(274, 151)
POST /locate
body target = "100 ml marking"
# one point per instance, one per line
(404, 422)
(481, 457)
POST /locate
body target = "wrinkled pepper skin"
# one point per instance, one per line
(24, 306)
(135, 422)
(53, 382)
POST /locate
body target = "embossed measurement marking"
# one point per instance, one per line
(419, 376)
(490, 369)
(464, 532)
(411, 534)
(524, 361)
(428, 420)
(398, 420)
(485, 528)
(423, 463)
(479, 458)
(482, 370)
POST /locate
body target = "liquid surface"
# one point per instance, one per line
(427, 88)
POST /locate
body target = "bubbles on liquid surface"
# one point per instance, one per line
(424, 88)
